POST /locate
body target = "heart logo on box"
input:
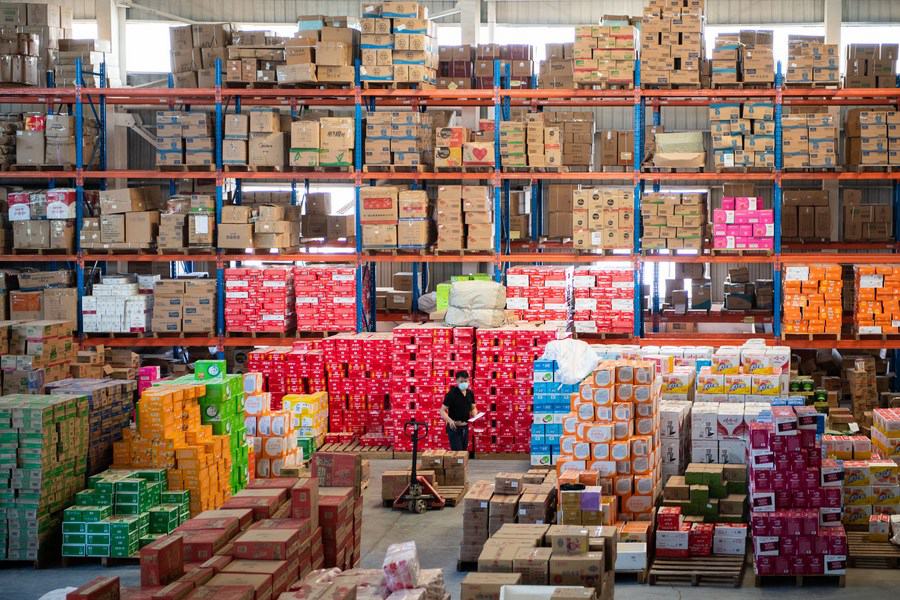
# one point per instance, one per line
(479, 153)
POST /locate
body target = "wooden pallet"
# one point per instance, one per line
(699, 570)
(41, 168)
(740, 252)
(371, 452)
(800, 580)
(863, 554)
(186, 251)
(640, 576)
(397, 85)
(601, 85)
(671, 86)
(452, 495)
(745, 169)
(41, 251)
(811, 336)
(186, 168)
(743, 85)
(395, 168)
(825, 85)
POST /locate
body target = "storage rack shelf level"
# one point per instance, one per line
(500, 99)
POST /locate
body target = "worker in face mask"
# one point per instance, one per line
(458, 408)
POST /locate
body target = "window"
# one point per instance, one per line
(84, 30)
(866, 34)
(538, 37)
(780, 34)
(147, 46)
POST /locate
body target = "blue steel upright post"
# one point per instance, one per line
(220, 269)
(357, 183)
(79, 190)
(638, 156)
(776, 206)
(498, 271)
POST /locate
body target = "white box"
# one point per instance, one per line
(672, 417)
(762, 501)
(732, 452)
(729, 547)
(672, 540)
(762, 459)
(631, 556)
(714, 398)
(704, 421)
(766, 545)
(730, 421)
(705, 451)
(672, 452)
(835, 564)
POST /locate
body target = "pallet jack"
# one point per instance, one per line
(419, 496)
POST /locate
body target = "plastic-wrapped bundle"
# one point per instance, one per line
(401, 566)
(476, 304)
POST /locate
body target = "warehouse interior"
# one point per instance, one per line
(449, 299)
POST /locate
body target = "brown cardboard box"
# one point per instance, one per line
(26, 306)
(267, 150)
(822, 229)
(112, 229)
(340, 226)
(124, 200)
(201, 228)
(30, 147)
(533, 564)
(234, 213)
(305, 134)
(559, 224)
(399, 301)
(379, 236)
(314, 226)
(582, 570)
(265, 120)
(235, 235)
(378, 204)
(234, 152)
(171, 231)
(413, 232)
(486, 586)
(140, 227)
(237, 126)
(60, 304)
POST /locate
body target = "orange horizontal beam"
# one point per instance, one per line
(707, 258)
(13, 258)
(839, 258)
(146, 341)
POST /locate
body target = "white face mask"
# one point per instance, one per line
(463, 386)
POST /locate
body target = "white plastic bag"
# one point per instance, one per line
(401, 566)
(428, 302)
(575, 359)
(464, 317)
(478, 295)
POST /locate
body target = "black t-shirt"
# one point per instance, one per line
(459, 405)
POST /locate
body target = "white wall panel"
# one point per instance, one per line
(871, 11)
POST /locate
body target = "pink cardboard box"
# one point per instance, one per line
(720, 215)
(746, 203)
(728, 202)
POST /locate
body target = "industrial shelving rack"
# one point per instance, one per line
(501, 98)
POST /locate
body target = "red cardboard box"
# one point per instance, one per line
(267, 544)
(202, 544)
(229, 525)
(163, 561)
(224, 592)
(99, 588)
(336, 469)
(305, 500)
(261, 584)
(263, 507)
(243, 515)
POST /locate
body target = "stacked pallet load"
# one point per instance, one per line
(602, 218)
(743, 224)
(673, 221)
(110, 403)
(604, 55)
(789, 537)
(613, 149)
(871, 66)
(194, 52)
(873, 137)
(743, 59)
(713, 493)
(504, 368)
(254, 57)
(322, 50)
(743, 135)
(399, 139)
(122, 511)
(812, 62)
(812, 300)
(325, 297)
(358, 370)
(672, 48)
(37, 353)
(317, 221)
(576, 140)
(270, 431)
(806, 216)
(268, 143)
(515, 62)
(456, 67)
(184, 305)
(297, 370)
(128, 219)
(59, 141)
(44, 467)
(184, 138)
(513, 151)
(309, 413)
(465, 218)
(603, 299)
(809, 140)
(617, 409)
(870, 484)
(259, 300)
(551, 403)
(399, 44)
(379, 216)
(118, 304)
(876, 294)
(424, 362)
(544, 143)
(885, 424)
(184, 222)
(169, 416)
(558, 70)
(42, 220)
(540, 294)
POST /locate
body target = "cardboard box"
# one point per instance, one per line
(235, 235)
(267, 150)
(140, 227)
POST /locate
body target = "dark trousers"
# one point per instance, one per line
(459, 438)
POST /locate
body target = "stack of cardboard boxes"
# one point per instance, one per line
(743, 57)
(398, 138)
(515, 59)
(673, 221)
(42, 295)
(255, 57)
(812, 299)
(603, 300)
(129, 219)
(9, 125)
(577, 139)
(318, 222)
(194, 52)
(806, 216)
(602, 218)
(544, 141)
(323, 49)
(743, 224)
(59, 141)
(118, 304)
(478, 149)
(456, 67)
(864, 220)
(184, 305)
(811, 60)
(187, 221)
(47, 454)
(448, 146)
(877, 295)
(743, 294)
(809, 140)
(379, 215)
(871, 65)
(604, 54)
(184, 138)
(267, 147)
(465, 218)
(558, 70)
(31, 34)
(398, 44)
(559, 210)
(873, 137)
(613, 148)
(325, 298)
(274, 227)
(235, 140)
(325, 141)
(672, 49)
(259, 300)
(42, 219)
(39, 352)
(743, 135)
(91, 53)
(519, 216)
(513, 149)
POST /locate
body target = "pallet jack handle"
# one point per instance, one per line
(412, 428)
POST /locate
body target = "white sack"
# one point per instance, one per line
(575, 359)
(464, 317)
(478, 295)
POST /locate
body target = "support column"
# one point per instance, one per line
(833, 18)
(111, 26)
(470, 24)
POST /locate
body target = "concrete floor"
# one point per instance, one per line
(437, 535)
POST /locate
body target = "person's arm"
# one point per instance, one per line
(473, 410)
(445, 416)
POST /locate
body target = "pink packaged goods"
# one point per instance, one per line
(743, 224)
(259, 300)
(795, 497)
